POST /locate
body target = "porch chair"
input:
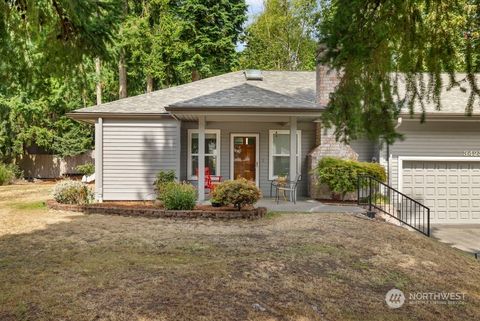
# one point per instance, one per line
(210, 180)
(274, 184)
(290, 187)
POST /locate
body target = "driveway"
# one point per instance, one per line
(463, 237)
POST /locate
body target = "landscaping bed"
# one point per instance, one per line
(148, 209)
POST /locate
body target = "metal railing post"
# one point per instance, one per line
(369, 194)
(358, 189)
(428, 222)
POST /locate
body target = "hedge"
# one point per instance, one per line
(341, 175)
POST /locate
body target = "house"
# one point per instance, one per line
(259, 125)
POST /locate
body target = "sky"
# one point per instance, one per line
(254, 8)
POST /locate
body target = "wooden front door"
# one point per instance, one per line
(244, 155)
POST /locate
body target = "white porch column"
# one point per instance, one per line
(293, 148)
(99, 160)
(201, 158)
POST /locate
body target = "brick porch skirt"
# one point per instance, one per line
(157, 212)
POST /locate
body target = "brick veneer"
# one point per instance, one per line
(157, 212)
(327, 145)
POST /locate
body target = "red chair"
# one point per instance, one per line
(209, 179)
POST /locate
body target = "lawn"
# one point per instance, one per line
(68, 266)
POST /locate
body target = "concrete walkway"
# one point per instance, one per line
(306, 205)
(463, 237)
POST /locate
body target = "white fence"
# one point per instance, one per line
(51, 166)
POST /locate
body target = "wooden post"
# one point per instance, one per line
(293, 148)
(201, 158)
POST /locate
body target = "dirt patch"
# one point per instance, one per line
(287, 267)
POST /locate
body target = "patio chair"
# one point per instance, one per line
(291, 188)
(274, 184)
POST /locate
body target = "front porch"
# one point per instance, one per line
(257, 147)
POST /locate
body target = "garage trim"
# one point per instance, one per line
(428, 158)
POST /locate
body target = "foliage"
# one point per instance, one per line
(211, 31)
(86, 169)
(239, 192)
(48, 50)
(372, 43)
(164, 177)
(72, 192)
(179, 196)
(8, 173)
(282, 37)
(341, 175)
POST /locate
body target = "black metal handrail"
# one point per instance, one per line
(376, 194)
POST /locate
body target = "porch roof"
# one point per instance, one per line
(243, 97)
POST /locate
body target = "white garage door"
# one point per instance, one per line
(450, 189)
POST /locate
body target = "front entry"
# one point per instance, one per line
(244, 157)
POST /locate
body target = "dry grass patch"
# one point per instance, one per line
(285, 267)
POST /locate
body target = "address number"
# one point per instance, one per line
(471, 153)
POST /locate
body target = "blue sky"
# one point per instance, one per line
(254, 7)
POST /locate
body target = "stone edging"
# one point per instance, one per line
(157, 212)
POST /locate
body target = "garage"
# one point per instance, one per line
(450, 188)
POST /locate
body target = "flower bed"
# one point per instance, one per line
(147, 209)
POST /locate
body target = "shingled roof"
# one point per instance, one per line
(242, 97)
(286, 89)
(278, 90)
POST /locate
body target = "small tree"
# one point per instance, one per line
(161, 181)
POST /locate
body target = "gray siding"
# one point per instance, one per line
(365, 149)
(261, 128)
(133, 152)
(437, 139)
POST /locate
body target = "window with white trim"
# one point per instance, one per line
(212, 152)
(279, 153)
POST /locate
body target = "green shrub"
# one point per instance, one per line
(239, 193)
(72, 192)
(179, 196)
(8, 172)
(86, 169)
(341, 175)
(161, 181)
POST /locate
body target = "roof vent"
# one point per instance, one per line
(253, 74)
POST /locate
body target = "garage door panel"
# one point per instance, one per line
(450, 188)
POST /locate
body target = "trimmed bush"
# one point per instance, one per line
(179, 196)
(86, 169)
(341, 175)
(72, 192)
(8, 173)
(239, 193)
(162, 180)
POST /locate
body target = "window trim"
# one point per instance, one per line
(271, 132)
(190, 175)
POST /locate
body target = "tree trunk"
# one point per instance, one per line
(195, 75)
(122, 75)
(98, 87)
(149, 83)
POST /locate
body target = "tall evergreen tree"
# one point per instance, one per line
(211, 31)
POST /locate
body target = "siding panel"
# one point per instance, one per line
(133, 152)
